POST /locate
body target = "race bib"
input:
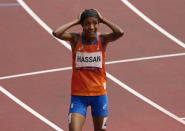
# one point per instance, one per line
(86, 60)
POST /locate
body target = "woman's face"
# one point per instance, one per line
(90, 26)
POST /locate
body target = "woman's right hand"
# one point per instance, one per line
(79, 17)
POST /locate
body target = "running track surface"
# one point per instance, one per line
(26, 47)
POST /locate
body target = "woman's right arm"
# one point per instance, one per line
(61, 33)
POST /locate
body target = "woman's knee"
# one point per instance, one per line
(76, 121)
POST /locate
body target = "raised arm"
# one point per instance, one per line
(61, 33)
(116, 33)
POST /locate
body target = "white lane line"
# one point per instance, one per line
(144, 98)
(145, 58)
(183, 118)
(9, 4)
(39, 21)
(35, 73)
(110, 62)
(149, 21)
(109, 76)
(29, 109)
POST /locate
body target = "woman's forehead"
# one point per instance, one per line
(90, 19)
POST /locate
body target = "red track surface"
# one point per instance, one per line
(27, 47)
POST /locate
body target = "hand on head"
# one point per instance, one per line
(90, 13)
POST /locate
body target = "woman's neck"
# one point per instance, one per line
(88, 39)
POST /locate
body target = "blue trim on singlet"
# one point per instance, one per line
(101, 42)
(83, 42)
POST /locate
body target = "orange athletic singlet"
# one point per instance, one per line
(89, 75)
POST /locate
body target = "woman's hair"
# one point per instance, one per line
(89, 13)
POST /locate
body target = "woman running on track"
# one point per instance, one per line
(88, 85)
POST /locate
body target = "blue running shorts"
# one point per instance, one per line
(99, 105)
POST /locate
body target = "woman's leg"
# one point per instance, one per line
(99, 108)
(76, 121)
(100, 123)
(77, 113)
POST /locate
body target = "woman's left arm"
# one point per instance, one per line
(116, 33)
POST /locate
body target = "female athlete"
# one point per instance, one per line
(88, 84)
